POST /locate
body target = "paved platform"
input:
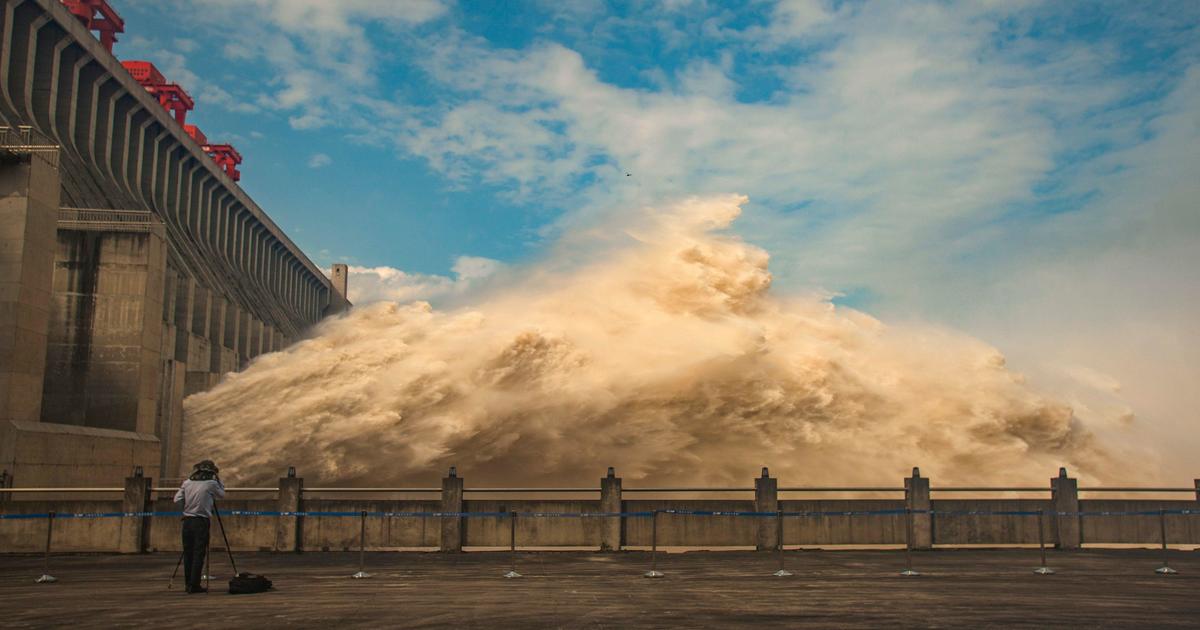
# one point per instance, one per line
(848, 589)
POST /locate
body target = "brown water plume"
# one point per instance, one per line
(665, 355)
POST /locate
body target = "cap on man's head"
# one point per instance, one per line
(206, 466)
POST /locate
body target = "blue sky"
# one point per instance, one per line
(1025, 171)
(428, 130)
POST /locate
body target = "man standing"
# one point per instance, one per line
(198, 494)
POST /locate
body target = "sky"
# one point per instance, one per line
(1026, 172)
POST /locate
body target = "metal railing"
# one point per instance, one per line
(24, 140)
(835, 489)
(65, 490)
(820, 489)
(91, 219)
(390, 490)
(1139, 489)
(988, 489)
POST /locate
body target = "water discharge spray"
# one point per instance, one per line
(667, 356)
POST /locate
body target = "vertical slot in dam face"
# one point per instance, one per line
(663, 352)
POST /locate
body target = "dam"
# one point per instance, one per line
(134, 270)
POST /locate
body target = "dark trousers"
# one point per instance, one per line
(195, 547)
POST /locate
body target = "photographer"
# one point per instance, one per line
(197, 494)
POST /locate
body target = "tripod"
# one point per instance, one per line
(224, 537)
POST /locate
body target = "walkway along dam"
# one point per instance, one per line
(134, 270)
(453, 517)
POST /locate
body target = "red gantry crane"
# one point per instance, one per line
(226, 157)
(98, 16)
(170, 95)
(196, 134)
(174, 98)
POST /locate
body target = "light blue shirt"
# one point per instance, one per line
(198, 496)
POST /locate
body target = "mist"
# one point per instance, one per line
(660, 349)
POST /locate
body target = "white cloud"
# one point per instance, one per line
(475, 267)
(377, 284)
(173, 63)
(792, 20)
(319, 160)
(905, 140)
(1106, 311)
(337, 18)
(319, 49)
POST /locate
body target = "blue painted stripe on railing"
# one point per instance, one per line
(583, 514)
(983, 513)
(850, 513)
(1118, 513)
(714, 513)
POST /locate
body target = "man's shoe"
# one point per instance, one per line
(198, 589)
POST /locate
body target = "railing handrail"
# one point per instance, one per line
(833, 489)
(307, 490)
(687, 489)
(62, 489)
(174, 488)
(531, 489)
(1177, 489)
(1138, 489)
(989, 489)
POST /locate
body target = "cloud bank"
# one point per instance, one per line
(378, 284)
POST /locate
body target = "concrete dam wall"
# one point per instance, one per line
(134, 270)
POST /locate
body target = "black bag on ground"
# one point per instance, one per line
(244, 583)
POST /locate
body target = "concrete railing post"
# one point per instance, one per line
(916, 499)
(766, 500)
(6, 482)
(289, 530)
(135, 530)
(1064, 500)
(452, 503)
(610, 502)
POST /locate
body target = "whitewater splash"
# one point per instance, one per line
(667, 357)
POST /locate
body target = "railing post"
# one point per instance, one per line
(452, 503)
(289, 530)
(610, 503)
(1064, 500)
(918, 504)
(766, 499)
(1197, 481)
(6, 482)
(135, 530)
